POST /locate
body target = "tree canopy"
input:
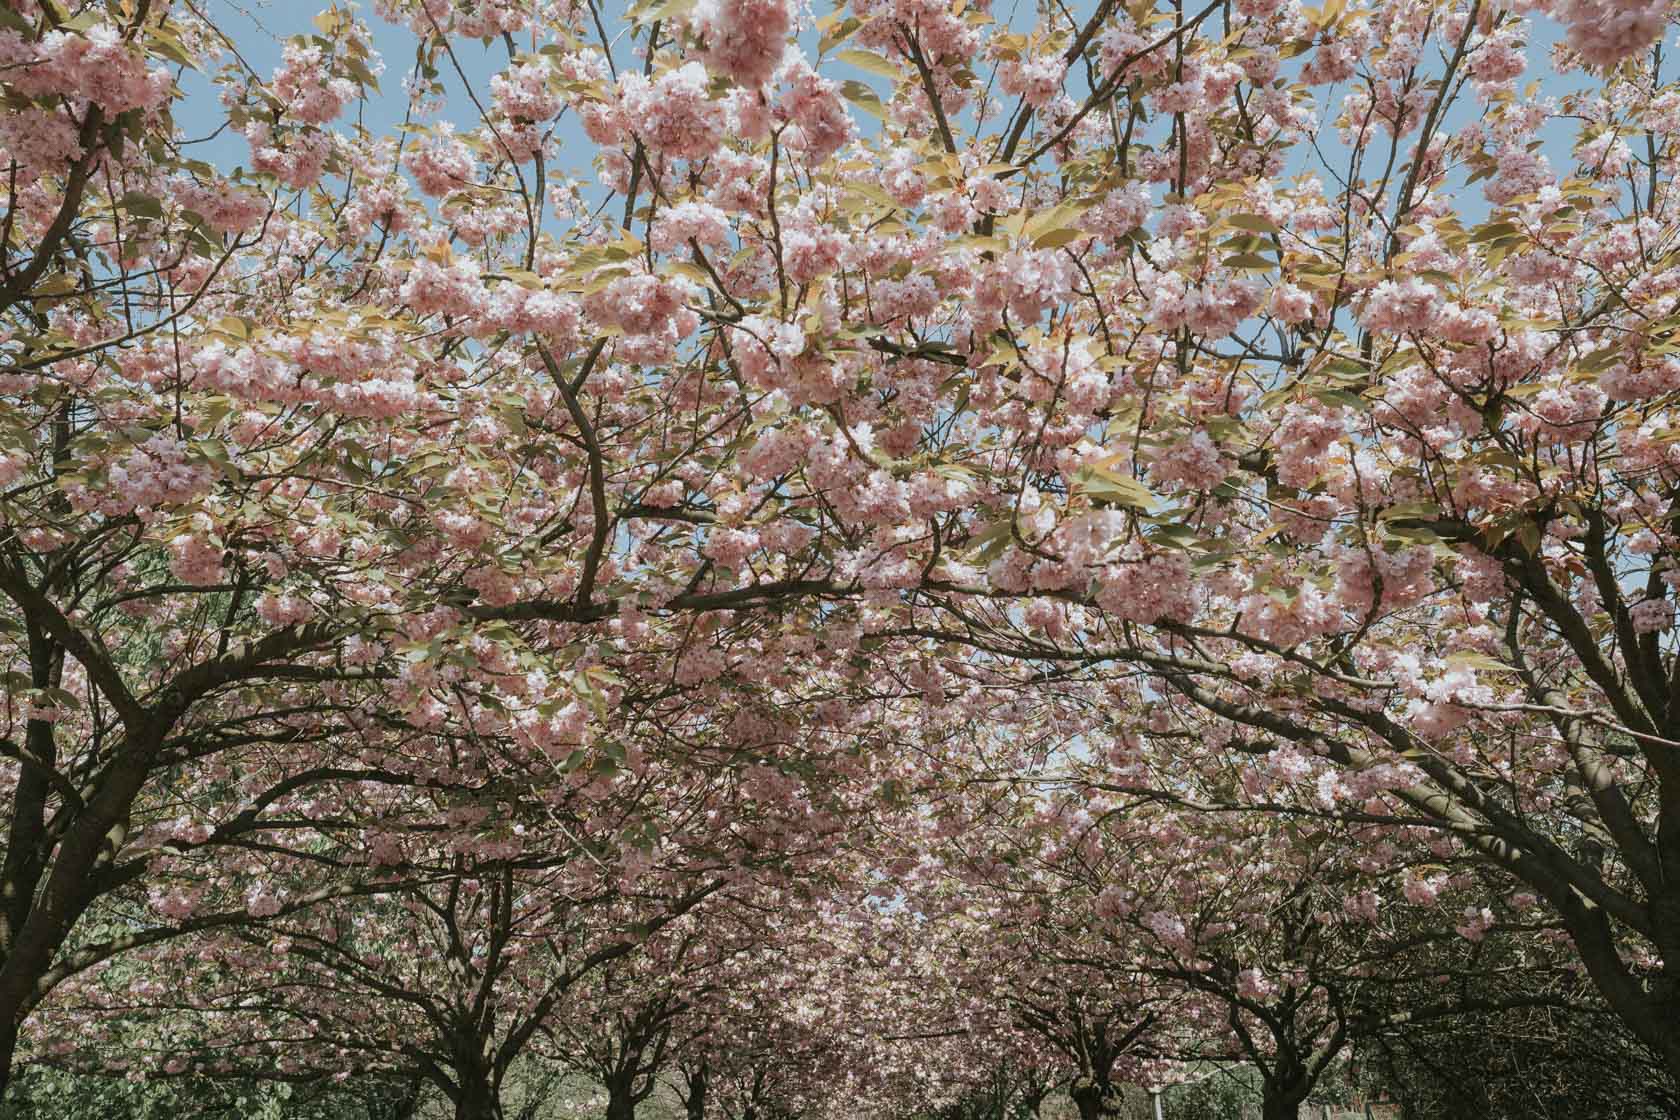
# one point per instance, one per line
(861, 560)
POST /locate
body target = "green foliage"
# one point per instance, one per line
(43, 1093)
(1530, 1064)
(1227, 1095)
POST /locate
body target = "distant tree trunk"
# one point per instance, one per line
(694, 1102)
(403, 1102)
(621, 1098)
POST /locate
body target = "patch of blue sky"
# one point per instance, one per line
(259, 29)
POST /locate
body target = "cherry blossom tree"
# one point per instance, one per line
(544, 919)
(624, 1026)
(1269, 938)
(1542, 1061)
(1276, 936)
(1274, 394)
(272, 506)
(1006, 987)
(1340, 482)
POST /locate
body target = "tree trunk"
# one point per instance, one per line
(90, 843)
(1092, 1100)
(478, 1101)
(694, 1105)
(8, 1050)
(1281, 1102)
(477, 1095)
(621, 1100)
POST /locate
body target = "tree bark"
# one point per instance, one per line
(694, 1104)
(478, 1101)
(621, 1099)
(1281, 1102)
(1093, 1100)
(8, 1050)
(477, 1095)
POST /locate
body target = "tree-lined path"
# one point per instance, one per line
(908, 559)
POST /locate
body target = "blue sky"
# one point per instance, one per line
(260, 27)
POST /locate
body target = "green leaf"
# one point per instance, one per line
(1059, 217)
(1173, 535)
(58, 284)
(1105, 485)
(1253, 222)
(869, 62)
(1410, 511)
(1596, 361)
(1249, 261)
(163, 44)
(1342, 397)
(358, 70)
(990, 543)
(833, 33)
(1493, 230)
(1056, 238)
(141, 205)
(864, 98)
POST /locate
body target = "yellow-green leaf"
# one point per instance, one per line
(864, 98)
(1253, 222)
(869, 61)
(1106, 485)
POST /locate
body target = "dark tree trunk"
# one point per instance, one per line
(8, 1050)
(621, 1099)
(694, 1104)
(478, 1101)
(1282, 1101)
(70, 884)
(477, 1095)
(1093, 1100)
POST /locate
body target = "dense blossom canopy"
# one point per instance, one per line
(910, 490)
